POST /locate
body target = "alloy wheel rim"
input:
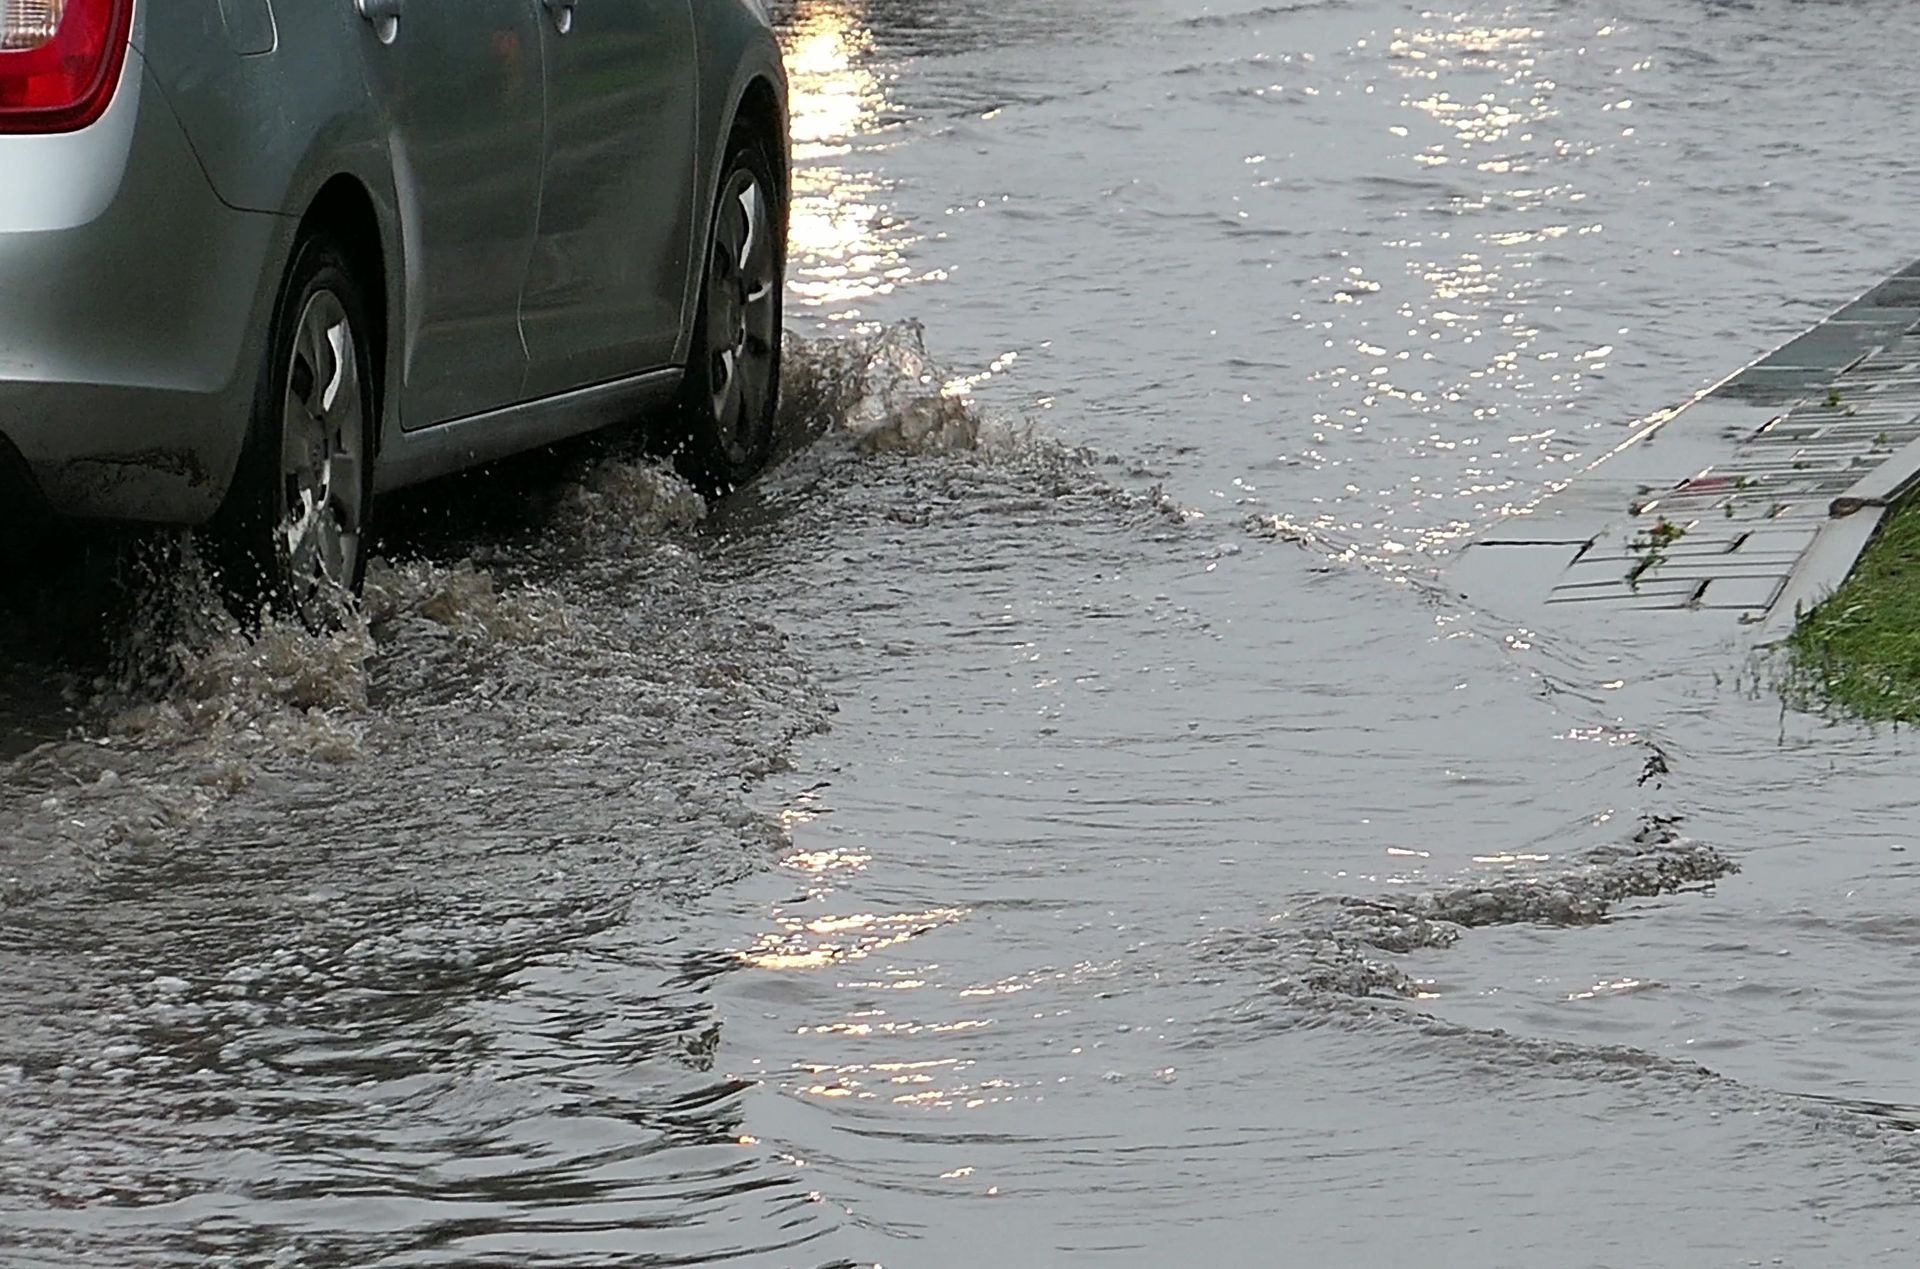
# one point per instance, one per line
(741, 291)
(322, 439)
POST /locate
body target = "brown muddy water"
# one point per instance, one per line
(1060, 815)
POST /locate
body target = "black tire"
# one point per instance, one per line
(272, 533)
(720, 451)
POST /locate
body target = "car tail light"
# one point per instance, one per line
(60, 61)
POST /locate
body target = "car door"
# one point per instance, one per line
(610, 257)
(459, 81)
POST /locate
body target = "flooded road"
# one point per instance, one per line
(1060, 815)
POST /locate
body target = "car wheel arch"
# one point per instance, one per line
(759, 101)
(344, 209)
(759, 105)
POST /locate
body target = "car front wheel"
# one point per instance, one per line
(731, 391)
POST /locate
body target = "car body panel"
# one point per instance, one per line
(111, 419)
(270, 128)
(429, 452)
(250, 26)
(605, 278)
(459, 95)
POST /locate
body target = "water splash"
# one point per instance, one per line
(887, 401)
(186, 670)
(621, 499)
(464, 599)
(884, 392)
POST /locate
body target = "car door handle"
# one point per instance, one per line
(561, 11)
(383, 16)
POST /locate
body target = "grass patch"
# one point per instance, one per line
(1858, 651)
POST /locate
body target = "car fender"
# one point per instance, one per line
(312, 123)
(254, 121)
(736, 46)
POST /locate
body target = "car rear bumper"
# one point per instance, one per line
(132, 306)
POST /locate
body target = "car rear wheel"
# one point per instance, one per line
(731, 391)
(293, 531)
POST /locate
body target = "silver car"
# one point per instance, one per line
(263, 260)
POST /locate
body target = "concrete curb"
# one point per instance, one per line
(1883, 486)
(1855, 517)
(1826, 564)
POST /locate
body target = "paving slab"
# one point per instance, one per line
(1738, 509)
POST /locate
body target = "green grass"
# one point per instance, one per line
(1858, 652)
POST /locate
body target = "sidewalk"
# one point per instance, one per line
(1742, 506)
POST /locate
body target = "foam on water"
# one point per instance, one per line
(1327, 944)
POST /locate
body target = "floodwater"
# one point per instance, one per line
(1060, 815)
